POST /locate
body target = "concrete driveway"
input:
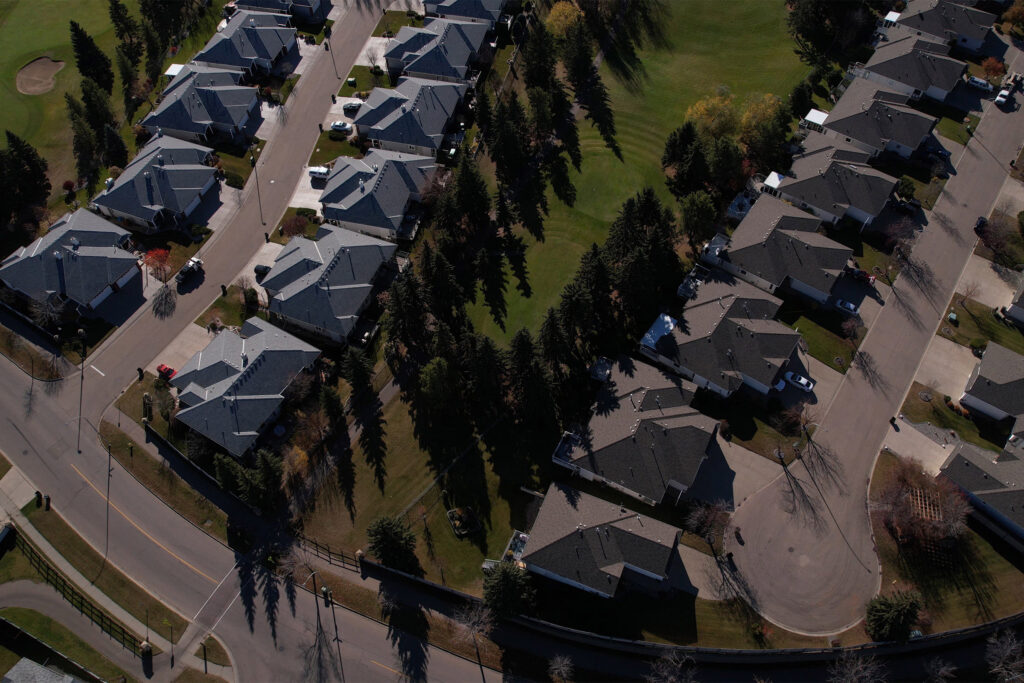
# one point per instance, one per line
(946, 367)
(307, 195)
(732, 474)
(372, 53)
(910, 442)
(870, 298)
(988, 282)
(188, 343)
(826, 383)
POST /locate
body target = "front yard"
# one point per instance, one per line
(977, 430)
(868, 249)
(366, 81)
(953, 123)
(228, 310)
(976, 325)
(160, 392)
(328, 149)
(393, 20)
(822, 330)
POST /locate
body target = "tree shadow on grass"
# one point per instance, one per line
(515, 253)
(372, 440)
(944, 571)
(494, 283)
(636, 24)
(466, 485)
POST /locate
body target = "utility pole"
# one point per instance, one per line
(259, 200)
(81, 389)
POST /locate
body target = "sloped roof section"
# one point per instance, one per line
(481, 10)
(233, 386)
(592, 542)
(874, 116)
(946, 20)
(79, 257)
(248, 37)
(200, 97)
(166, 174)
(916, 62)
(999, 379)
(441, 48)
(415, 112)
(325, 282)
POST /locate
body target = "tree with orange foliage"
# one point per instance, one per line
(993, 67)
(156, 261)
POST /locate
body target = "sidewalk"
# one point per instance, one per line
(163, 665)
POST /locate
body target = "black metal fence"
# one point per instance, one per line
(324, 552)
(69, 592)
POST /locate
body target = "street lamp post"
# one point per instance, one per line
(259, 200)
(327, 43)
(81, 389)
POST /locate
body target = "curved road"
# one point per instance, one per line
(808, 557)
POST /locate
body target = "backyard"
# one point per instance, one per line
(649, 97)
(979, 431)
(976, 326)
(971, 585)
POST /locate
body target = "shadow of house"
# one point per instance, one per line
(161, 187)
(715, 479)
(79, 265)
(643, 438)
(599, 547)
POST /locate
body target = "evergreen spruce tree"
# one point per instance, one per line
(30, 184)
(96, 102)
(115, 152)
(90, 60)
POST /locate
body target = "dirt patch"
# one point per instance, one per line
(37, 77)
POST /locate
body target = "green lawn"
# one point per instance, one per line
(393, 20)
(867, 250)
(365, 81)
(130, 403)
(228, 309)
(280, 238)
(980, 431)
(820, 329)
(15, 566)
(165, 484)
(977, 325)
(64, 641)
(676, 73)
(1011, 250)
(971, 585)
(5, 466)
(235, 160)
(213, 651)
(190, 675)
(327, 150)
(181, 247)
(115, 585)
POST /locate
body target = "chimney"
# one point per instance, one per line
(62, 287)
(149, 187)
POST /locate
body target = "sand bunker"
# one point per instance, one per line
(37, 77)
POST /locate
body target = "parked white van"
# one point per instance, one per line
(319, 171)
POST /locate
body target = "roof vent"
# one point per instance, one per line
(74, 242)
(160, 159)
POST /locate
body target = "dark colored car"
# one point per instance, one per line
(980, 224)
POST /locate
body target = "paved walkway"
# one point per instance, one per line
(809, 562)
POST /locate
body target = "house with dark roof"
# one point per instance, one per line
(912, 65)
(230, 390)
(596, 546)
(832, 179)
(322, 286)
(777, 246)
(302, 11)
(877, 120)
(373, 195)
(414, 117)
(1015, 311)
(204, 104)
(478, 11)
(443, 50)
(948, 22)
(81, 261)
(726, 338)
(252, 41)
(161, 187)
(643, 438)
(996, 386)
(994, 485)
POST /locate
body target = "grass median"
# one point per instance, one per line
(165, 484)
(64, 641)
(109, 580)
(212, 651)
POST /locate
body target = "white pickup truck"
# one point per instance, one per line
(194, 265)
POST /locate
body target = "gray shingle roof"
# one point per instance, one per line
(642, 432)
(999, 379)
(946, 20)
(441, 48)
(91, 258)
(200, 97)
(874, 116)
(488, 10)
(415, 112)
(917, 63)
(726, 331)
(166, 175)
(248, 36)
(590, 541)
(998, 482)
(832, 176)
(376, 189)
(776, 240)
(232, 387)
(325, 283)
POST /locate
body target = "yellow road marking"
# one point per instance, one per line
(385, 666)
(143, 531)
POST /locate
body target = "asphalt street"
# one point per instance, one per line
(808, 559)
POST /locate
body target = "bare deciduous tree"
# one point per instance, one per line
(851, 667)
(1005, 656)
(938, 670)
(164, 302)
(968, 291)
(672, 667)
(46, 313)
(475, 621)
(708, 520)
(561, 669)
(919, 508)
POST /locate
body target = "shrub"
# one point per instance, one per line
(890, 617)
(337, 136)
(310, 214)
(232, 179)
(993, 67)
(69, 186)
(393, 543)
(252, 300)
(507, 590)
(906, 187)
(295, 225)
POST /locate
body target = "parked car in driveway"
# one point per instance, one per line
(1003, 97)
(799, 381)
(979, 83)
(165, 372)
(861, 276)
(319, 172)
(847, 307)
(194, 265)
(342, 127)
(351, 107)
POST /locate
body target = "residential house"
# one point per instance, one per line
(230, 390)
(478, 11)
(596, 546)
(778, 246)
(996, 386)
(1015, 311)
(949, 22)
(373, 194)
(643, 438)
(81, 261)
(323, 286)
(443, 50)
(832, 179)
(726, 338)
(413, 117)
(877, 120)
(994, 485)
(252, 41)
(161, 187)
(203, 104)
(912, 65)
(302, 11)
